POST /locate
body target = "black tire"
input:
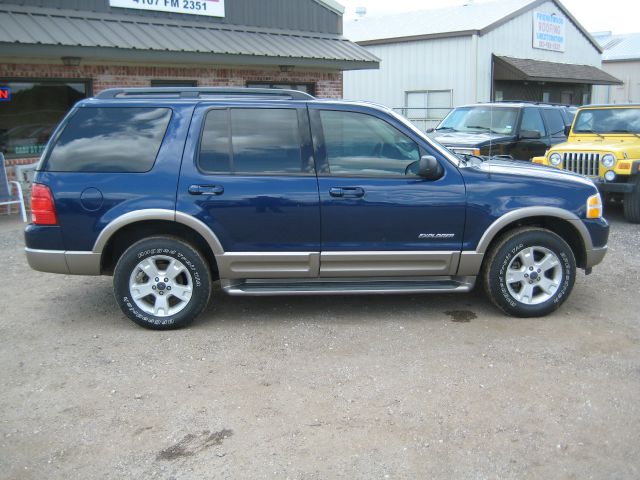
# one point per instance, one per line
(166, 310)
(631, 204)
(509, 256)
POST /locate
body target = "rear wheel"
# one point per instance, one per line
(631, 203)
(529, 272)
(162, 283)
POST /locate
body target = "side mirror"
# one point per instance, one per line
(567, 129)
(530, 134)
(430, 168)
(430, 130)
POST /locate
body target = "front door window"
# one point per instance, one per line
(363, 145)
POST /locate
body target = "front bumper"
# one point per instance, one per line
(596, 247)
(612, 187)
(595, 256)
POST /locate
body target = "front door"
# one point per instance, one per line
(378, 218)
(248, 174)
(527, 148)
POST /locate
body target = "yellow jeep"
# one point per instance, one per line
(604, 145)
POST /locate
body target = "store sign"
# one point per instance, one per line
(211, 8)
(5, 94)
(549, 31)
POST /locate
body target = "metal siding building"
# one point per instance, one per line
(429, 54)
(621, 58)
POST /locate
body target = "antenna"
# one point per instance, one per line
(490, 136)
(490, 128)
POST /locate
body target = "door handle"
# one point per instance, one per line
(206, 189)
(341, 192)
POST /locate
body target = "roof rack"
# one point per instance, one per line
(204, 92)
(532, 102)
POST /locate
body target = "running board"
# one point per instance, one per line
(342, 286)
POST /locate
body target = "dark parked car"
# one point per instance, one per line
(273, 192)
(520, 130)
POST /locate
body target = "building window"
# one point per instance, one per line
(35, 109)
(428, 104)
(309, 88)
(174, 83)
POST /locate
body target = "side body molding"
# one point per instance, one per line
(158, 214)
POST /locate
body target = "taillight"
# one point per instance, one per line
(43, 209)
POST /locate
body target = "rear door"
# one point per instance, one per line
(248, 174)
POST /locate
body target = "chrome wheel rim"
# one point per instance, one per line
(161, 285)
(534, 275)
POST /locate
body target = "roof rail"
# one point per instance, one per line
(204, 92)
(532, 102)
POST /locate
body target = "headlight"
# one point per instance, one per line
(466, 151)
(555, 159)
(608, 160)
(594, 206)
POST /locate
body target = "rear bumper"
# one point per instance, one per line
(61, 261)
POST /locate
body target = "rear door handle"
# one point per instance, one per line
(206, 189)
(341, 192)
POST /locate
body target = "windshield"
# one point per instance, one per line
(608, 120)
(481, 119)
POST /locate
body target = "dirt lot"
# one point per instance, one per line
(433, 386)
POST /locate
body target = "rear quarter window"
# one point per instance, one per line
(112, 139)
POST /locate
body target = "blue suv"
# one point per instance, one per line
(273, 192)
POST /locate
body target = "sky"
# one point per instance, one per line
(618, 16)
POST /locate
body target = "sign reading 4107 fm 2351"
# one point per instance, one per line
(211, 8)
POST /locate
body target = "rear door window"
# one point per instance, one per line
(264, 141)
(215, 153)
(111, 139)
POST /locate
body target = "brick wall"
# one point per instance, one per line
(328, 84)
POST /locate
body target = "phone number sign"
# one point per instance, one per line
(211, 8)
(549, 32)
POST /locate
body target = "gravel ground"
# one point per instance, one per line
(420, 386)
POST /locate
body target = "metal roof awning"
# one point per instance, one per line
(51, 32)
(509, 68)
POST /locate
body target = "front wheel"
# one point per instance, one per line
(529, 272)
(162, 283)
(631, 204)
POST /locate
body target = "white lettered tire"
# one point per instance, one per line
(529, 272)
(162, 283)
